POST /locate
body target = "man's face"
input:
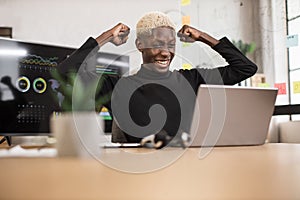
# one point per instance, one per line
(158, 50)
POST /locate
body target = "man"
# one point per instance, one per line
(156, 101)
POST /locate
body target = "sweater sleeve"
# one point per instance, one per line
(83, 62)
(77, 58)
(238, 69)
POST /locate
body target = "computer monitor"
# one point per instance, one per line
(110, 63)
(27, 99)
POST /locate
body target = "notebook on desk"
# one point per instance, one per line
(232, 116)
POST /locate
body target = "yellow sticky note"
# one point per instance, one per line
(186, 20)
(296, 85)
(265, 85)
(104, 109)
(186, 66)
(185, 2)
(185, 44)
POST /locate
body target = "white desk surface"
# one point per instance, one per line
(271, 171)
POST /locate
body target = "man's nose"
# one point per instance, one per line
(165, 50)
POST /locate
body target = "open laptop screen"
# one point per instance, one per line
(229, 115)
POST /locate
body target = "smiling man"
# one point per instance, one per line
(155, 100)
(157, 48)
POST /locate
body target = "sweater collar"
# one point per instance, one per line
(148, 74)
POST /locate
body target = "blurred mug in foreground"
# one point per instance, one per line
(77, 134)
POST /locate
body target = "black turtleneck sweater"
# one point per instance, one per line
(148, 101)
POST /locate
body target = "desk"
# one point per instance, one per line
(271, 171)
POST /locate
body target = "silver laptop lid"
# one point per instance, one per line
(230, 115)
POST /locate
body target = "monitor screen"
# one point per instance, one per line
(109, 63)
(27, 89)
(26, 98)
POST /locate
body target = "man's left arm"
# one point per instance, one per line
(239, 66)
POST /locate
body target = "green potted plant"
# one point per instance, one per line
(78, 95)
(78, 129)
(245, 48)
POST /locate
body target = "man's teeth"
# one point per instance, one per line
(162, 62)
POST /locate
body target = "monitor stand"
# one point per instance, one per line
(7, 139)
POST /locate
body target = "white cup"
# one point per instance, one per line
(77, 134)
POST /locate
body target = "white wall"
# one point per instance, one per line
(71, 22)
(273, 43)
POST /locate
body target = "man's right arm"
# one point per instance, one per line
(75, 60)
(83, 60)
(117, 35)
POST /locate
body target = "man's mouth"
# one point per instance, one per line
(164, 63)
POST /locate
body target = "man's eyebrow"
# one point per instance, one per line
(163, 41)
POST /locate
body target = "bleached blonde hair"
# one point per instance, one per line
(152, 20)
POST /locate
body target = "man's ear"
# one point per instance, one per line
(139, 45)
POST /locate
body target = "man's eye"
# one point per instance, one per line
(157, 46)
(171, 45)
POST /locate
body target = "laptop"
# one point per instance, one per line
(231, 115)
